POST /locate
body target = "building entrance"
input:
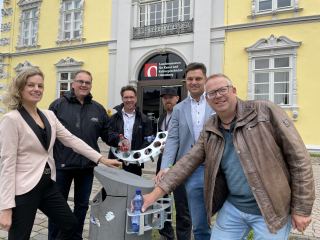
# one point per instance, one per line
(157, 73)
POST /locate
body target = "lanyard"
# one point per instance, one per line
(165, 123)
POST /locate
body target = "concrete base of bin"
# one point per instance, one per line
(108, 208)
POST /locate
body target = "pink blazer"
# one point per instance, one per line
(23, 157)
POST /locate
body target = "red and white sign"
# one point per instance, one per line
(151, 70)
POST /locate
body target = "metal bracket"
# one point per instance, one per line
(154, 217)
(143, 155)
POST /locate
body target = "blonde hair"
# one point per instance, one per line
(12, 97)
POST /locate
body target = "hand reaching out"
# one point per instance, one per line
(110, 162)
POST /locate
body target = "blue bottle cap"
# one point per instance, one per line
(138, 191)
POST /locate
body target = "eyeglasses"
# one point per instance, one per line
(128, 98)
(81, 82)
(222, 91)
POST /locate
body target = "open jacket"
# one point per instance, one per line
(273, 156)
(142, 128)
(87, 121)
(24, 154)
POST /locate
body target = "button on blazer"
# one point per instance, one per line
(24, 154)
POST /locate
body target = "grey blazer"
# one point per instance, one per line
(181, 132)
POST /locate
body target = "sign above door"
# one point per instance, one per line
(166, 66)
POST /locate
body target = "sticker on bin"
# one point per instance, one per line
(93, 220)
(98, 222)
(109, 216)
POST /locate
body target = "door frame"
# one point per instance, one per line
(160, 83)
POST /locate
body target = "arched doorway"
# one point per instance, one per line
(158, 72)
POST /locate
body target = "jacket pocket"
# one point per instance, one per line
(23, 167)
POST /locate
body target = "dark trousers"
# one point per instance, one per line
(183, 218)
(46, 197)
(83, 179)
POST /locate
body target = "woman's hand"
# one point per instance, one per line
(110, 162)
(6, 219)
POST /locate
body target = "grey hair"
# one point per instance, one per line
(217, 75)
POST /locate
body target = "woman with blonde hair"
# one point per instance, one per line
(28, 169)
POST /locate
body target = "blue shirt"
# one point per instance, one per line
(240, 194)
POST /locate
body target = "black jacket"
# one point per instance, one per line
(87, 122)
(160, 121)
(142, 128)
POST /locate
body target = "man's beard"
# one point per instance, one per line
(169, 107)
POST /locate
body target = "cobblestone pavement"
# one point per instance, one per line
(40, 228)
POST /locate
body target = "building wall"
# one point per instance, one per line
(93, 51)
(242, 32)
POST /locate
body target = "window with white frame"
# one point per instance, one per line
(273, 4)
(72, 19)
(272, 79)
(30, 26)
(273, 72)
(65, 82)
(164, 12)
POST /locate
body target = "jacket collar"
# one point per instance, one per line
(118, 108)
(71, 96)
(245, 113)
(35, 127)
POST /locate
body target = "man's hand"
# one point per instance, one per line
(162, 149)
(300, 222)
(110, 162)
(150, 198)
(158, 178)
(6, 219)
(124, 143)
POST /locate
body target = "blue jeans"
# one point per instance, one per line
(83, 179)
(232, 224)
(197, 209)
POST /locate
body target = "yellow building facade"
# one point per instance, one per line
(271, 52)
(58, 37)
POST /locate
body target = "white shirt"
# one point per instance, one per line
(167, 121)
(198, 110)
(128, 120)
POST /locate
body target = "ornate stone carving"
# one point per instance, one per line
(4, 41)
(26, 5)
(6, 1)
(22, 66)
(274, 12)
(68, 62)
(272, 46)
(161, 49)
(60, 37)
(6, 12)
(5, 27)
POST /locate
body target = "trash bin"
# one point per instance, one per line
(110, 218)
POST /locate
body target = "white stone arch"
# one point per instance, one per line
(150, 54)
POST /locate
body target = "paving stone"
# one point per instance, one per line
(85, 234)
(41, 237)
(33, 234)
(3, 234)
(38, 221)
(86, 226)
(41, 216)
(44, 224)
(43, 231)
(36, 228)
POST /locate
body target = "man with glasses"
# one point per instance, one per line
(88, 120)
(186, 124)
(132, 124)
(253, 153)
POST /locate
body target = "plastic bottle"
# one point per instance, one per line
(166, 170)
(137, 203)
(124, 150)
